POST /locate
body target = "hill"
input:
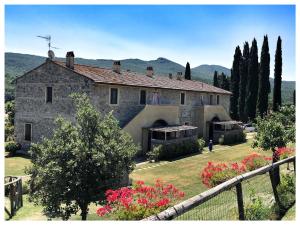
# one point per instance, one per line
(17, 64)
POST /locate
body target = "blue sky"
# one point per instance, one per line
(196, 33)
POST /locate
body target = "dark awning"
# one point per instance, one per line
(173, 128)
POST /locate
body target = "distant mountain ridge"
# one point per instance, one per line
(16, 64)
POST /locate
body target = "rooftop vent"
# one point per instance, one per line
(70, 60)
(117, 66)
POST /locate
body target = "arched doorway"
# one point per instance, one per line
(160, 123)
(157, 123)
(211, 130)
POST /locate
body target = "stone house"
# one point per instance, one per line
(140, 102)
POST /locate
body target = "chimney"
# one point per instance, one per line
(179, 75)
(150, 72)
(170, 75)
(117, 66)
(70, 60)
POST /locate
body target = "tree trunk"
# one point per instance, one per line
(276, 170)
(84, 211)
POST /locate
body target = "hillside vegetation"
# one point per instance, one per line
(17, 64)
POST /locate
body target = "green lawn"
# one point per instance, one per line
(183, 173)
(14, 166)
(290, 214)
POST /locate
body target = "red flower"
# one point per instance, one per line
(148, 199)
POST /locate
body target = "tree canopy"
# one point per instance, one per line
(235, 80)
(187, 74)
(79, 162)
(277, 76)
(264, 76)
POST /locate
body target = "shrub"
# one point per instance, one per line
(12, 147)
(141, 201)
(25, 188)
(257, 210)
(286, 190)
(255, 161)
(172, 151)
(201, 144)
(155, 153)
(284, 152)
(229, 139)
(222, 140)
(214, 174)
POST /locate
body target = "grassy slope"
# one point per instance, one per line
(291, 214)
(183, 173)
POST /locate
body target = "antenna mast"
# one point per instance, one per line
(48, 39)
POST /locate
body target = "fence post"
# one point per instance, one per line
(11, 198)
(239, 193)
(294, 162)
(21, 193)
(271, 173)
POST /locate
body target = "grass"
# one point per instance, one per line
(14, 166)
(291, 213)
(183, 173)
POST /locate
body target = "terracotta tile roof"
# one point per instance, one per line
(108, 76)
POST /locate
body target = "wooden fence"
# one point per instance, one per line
(13, 191)
(234, 183)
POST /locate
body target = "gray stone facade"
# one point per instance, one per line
(31, 106)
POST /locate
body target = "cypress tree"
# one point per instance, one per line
(277, 76)
(187, 74)
(234, 86)
(294, 97)
(216, 82)
(226, 83)
(243, 82)
(252, 82)
(264, 76)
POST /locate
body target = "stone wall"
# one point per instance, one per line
(31, 106)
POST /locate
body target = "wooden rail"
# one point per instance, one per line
(14, 189)
(197, 200)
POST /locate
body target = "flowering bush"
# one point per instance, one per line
(284, 152)
(140, 201)
(214, 174)
(255, 161)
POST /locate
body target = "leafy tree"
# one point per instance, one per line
(264, 76)
(80, 161)
(9, 120)
(216, 82)
(275, 131)
(234, 87)
(243, 82)
(187, 74)
(252, 82)
(277, 76)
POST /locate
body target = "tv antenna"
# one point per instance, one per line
(48, 39)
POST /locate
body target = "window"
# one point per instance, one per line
(201, 98)
(28, 132)
(211, 99)
(182, 98)
(114, 96)
(218, 99)
(49, 95)
(155, 98)
(143, 97)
